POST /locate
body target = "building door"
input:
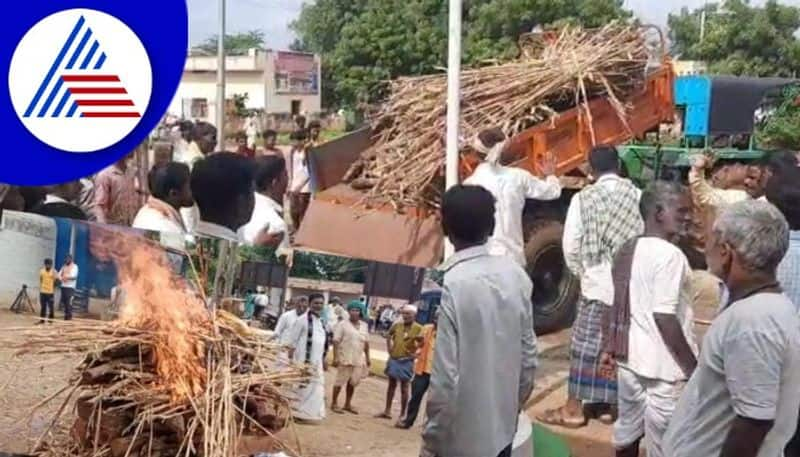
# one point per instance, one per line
(295, 107)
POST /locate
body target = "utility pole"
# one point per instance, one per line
(221, 79)
(703, 24)
(453, 100)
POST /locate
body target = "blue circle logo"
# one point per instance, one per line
(87, 82)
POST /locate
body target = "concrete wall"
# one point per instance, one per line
(25, 241)
(204, 85)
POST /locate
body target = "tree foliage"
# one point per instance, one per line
(365, 42)
(781, 130)
(740, 39)
(235, 44)
(310, 265)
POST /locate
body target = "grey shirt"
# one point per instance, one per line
(485, 356)
(749, 366)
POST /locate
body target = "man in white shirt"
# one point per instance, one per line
(287, 319)
(267, 226)
(485, 354)
(68, 275)
(222, 187)
(600, 218)
(170, 192)
(510, 186)
(743, 398)
(648, 334)
(299, 179)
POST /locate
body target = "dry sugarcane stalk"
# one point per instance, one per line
(116, 385)
(408, 149)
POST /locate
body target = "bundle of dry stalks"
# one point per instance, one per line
(408, 153)
(167, 378)
(124, 408)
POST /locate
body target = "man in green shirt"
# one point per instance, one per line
(402, 341)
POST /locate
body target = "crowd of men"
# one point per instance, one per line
(634, 353)
(191, 189)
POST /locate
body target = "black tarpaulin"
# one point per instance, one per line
(734, 101)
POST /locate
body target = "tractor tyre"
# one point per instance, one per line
(555, 289)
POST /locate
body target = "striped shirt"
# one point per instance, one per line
(789, 270)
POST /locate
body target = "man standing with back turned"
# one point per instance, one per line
(743, 398)
(600, 218)
(485, 354)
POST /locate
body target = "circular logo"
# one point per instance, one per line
(80, 80)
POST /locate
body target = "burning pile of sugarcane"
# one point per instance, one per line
(569, 68)
(167, 378)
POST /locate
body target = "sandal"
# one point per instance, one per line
(606, 419)
(351, 410)
(337, 410)
(383, 416)
(556, 417)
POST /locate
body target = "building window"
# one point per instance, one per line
(195, 108)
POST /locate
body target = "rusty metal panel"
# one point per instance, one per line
(334, 225)
(394, 281)
(329, 161)
(264, 274)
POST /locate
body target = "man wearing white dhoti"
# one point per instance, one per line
(306, 342)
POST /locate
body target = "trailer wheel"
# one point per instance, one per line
(555, 289)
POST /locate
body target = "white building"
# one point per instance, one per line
(278, 82)
(689, 67)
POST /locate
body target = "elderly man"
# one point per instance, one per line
(350, 356)
(743, 398)
(402, 342)
(600, 218)
(648, 332)
(306, 343)
(485, 354)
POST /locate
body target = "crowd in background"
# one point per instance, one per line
(190, 188)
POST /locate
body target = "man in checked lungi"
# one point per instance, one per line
(601, 217)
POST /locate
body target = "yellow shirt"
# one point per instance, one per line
(405, 339)
(47, 281)
(424, 363)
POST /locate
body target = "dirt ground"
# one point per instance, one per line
(28, 380)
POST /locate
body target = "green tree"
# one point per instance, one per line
(780, 130)
(740, 39)
(365, 42)
(235, 44)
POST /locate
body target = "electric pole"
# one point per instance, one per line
(221, 79)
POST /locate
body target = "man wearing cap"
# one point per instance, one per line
(402, 342)
(350, 356)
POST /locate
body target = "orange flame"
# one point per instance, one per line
(157, 299)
